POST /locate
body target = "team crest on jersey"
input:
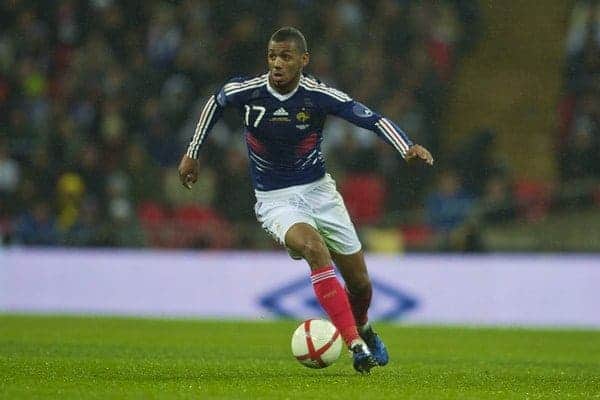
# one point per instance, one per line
(303, 116)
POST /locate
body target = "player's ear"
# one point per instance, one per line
(305, 59)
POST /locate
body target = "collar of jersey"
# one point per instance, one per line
(279, 96)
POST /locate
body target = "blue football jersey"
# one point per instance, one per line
(283, 132)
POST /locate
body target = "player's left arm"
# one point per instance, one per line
(360, 115)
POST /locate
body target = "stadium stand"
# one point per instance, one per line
(97, 101)
(99, 98)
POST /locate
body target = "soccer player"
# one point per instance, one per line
(297, 203)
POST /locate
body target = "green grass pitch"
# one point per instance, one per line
(103, 358)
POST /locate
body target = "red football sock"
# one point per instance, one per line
(360, 305)
(333, 299)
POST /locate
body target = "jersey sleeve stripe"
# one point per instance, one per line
(205, 129)
(329, 93)
(201, 128)
(201, 120)
(244, 88)
(233, 86)
(396, 133)
(392, 138)
(244, 82)
(387, 136)
(328, 89)
(314, 84)
(228, 88)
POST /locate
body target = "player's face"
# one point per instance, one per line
(285, 64)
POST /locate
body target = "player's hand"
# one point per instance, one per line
(188, 171)
(419, 152)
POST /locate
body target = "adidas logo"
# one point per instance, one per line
(281, 113)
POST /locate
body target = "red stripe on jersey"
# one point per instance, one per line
(255, 144)
(307, 144)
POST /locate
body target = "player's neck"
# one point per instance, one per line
(285, 89)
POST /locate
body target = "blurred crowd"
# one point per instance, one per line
(479, 190)
(98, 99)
(579, 110)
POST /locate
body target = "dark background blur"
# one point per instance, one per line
(99, 98)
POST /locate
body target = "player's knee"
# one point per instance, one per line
(314, 250)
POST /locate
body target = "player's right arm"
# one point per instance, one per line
(210, 115)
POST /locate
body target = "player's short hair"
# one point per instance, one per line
(289, 33)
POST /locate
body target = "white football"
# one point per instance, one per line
(316, 343)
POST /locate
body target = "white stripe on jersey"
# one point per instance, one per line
(312, 89)
(398, 135)
(242, 89)
(201, 128)
(244, 82)
(313, 85)
(196, 135)
(393, 138)
(238, 85)
(337, 92)
(260, 161)
(307, 158)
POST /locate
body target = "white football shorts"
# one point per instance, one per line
(318, 204)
